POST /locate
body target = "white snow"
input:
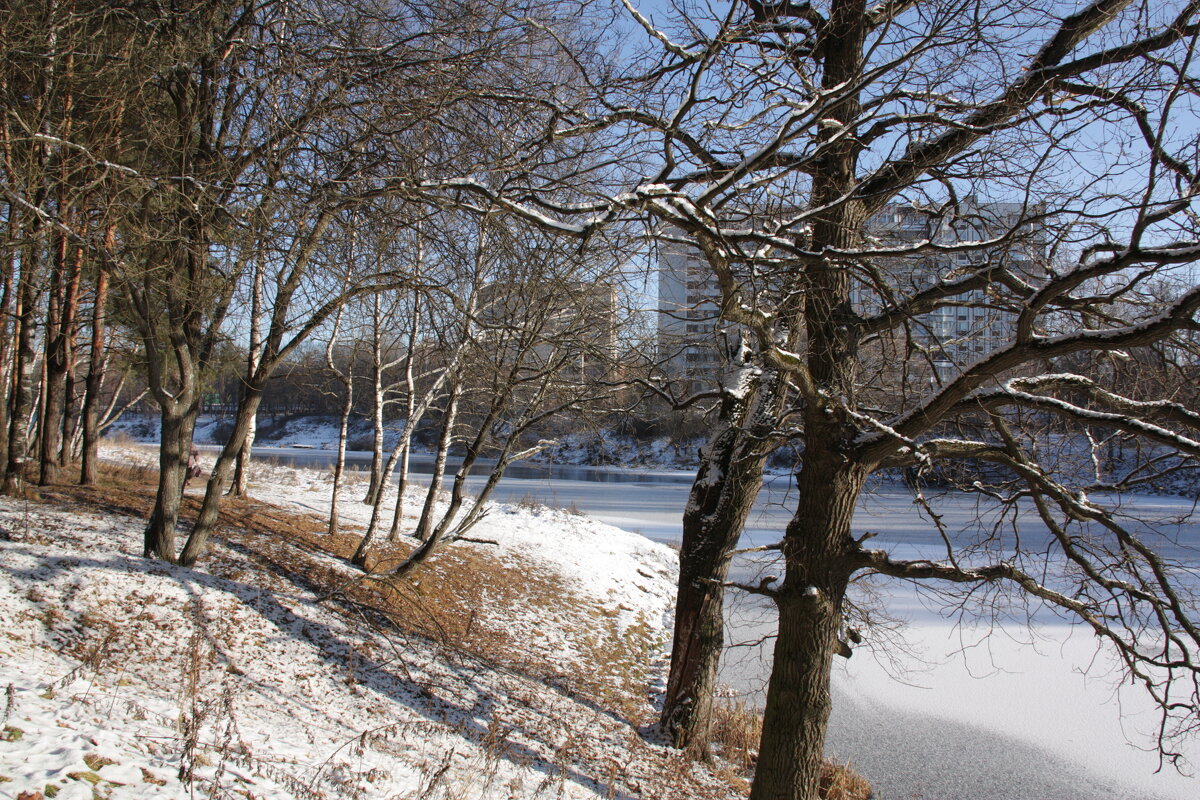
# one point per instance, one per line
(125, 677)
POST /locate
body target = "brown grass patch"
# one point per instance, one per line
(737, 727)
(459, 598)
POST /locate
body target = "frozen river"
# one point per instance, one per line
(941, 711)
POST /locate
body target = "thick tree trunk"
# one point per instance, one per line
(818, 545)
(726, 485)
(174, 447)
(818, 550)
(210, 509)
(798, 701)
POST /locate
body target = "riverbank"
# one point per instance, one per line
(520, 668)
(318, 432)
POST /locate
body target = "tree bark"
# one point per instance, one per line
(95, 376)
(425, 524)
(377, 404)
(6, 313)
(50, 418)
(726, 485)
(818, 550)
(175, 444)
(241, 474)
(26, 357)
(210, 509)
(339, 463)
(70, 418)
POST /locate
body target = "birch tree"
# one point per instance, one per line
(532, 336)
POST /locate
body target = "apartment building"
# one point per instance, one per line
(692, 341)
(572, 323)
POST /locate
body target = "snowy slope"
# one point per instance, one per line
(130, 678)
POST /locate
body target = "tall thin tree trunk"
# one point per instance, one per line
(23, 370)
(70, 418)
(401, 487)
(55, 358)
(68, 333)
(425, 524)
(6, 326)
(377, 404)
(50, 415)
(410, 409)
(241, 474)
(347, 381)
(339, 463)
(95, 376)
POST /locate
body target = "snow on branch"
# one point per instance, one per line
(672, 47)
(955, 395)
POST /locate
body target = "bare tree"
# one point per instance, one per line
(345, 377)
(786, 142)
(533, 337)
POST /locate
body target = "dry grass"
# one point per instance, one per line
(841, 782)
(736, 729)
(460, 598)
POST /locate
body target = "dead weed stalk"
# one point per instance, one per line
(735, 734)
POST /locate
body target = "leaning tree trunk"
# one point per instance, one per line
(712, 524)
(210, 509)
(425, 523)
(174, 447)
(359, 559)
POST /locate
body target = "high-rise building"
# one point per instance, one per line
(688, 320)
(691, 336)
(572, 323)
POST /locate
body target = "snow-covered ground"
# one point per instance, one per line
(126, 678)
